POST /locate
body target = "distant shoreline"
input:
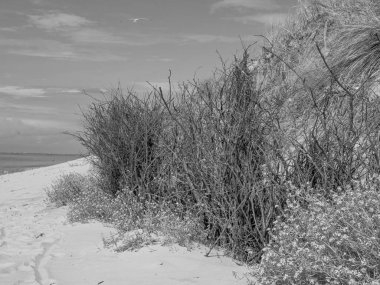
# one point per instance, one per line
(18, 162)
(37, 153)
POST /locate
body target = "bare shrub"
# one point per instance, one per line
(304, 111)
(223, 157)
(121, 133)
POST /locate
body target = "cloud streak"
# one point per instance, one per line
(268, 18)
(77, 30)
(160, 59)
(239, 4)
(9, 29)
(58, 50)
(79, 39)
(47, 124)
(80, 30)
(209, 38)
(58, 21)
(85, 55)
(12, 127)
(19, 108)
(98, 36)
(70, 91)
(22, 92)
(96, 46)
(37, 2)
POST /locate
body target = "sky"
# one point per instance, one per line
(52, 50)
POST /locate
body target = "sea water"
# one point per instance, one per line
(15, 162)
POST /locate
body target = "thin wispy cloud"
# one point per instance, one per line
(16, 107)
(76, 28)
(13, 43)
(71, 91)
(59, 91)
(93, 45)
(243, 4)
(90, 45)
(78, 31)
(266, 18)
(9, 29)
(22, 92)
(58, 50)
(11, 126)
(135, 20)
(90, 35)
(37, 2)
(76, 41)
(70, 55)
(58, 21)
(208, 38)
(133, 39)
(83, 39)
(161, 59)
(97, 36)
(47, 124)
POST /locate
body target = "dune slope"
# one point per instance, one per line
(38, 246)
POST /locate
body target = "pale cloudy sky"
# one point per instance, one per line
(50, 50)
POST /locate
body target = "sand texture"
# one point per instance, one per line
(39, 246)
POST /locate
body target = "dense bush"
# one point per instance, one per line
(222, 157)
(322, 69)
(121, 134)
(224, 151)
(202, 150)
(328, 242)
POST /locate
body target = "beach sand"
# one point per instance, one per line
(39, 246)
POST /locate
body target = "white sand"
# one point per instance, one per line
(38, 246)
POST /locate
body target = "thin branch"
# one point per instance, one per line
(288, 65)
(332, 73)
(160, 93)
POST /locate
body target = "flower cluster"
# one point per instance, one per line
(321, 241)
(128, 212)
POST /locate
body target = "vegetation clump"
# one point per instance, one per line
(66, 189)
(326, 243)
(148, 222)
(290, 134)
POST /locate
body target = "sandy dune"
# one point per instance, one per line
(38, 246)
